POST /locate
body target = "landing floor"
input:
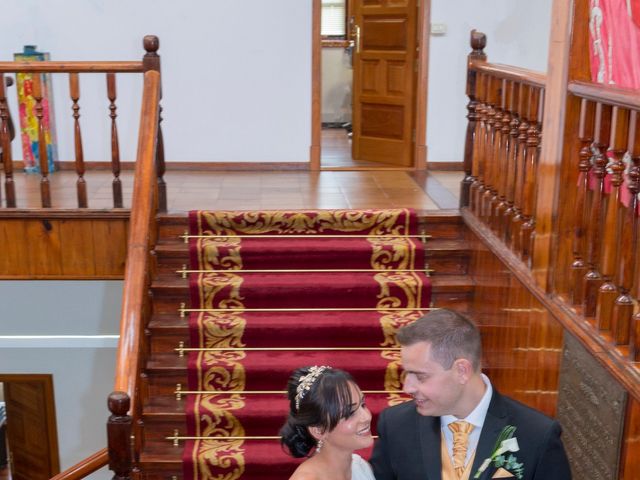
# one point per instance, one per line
(261, 189)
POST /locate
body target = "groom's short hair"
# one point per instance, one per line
(450, 334)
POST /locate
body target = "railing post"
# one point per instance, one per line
(119, 428)
(151, 61)
(478, 41)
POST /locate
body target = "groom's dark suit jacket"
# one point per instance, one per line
(409, 443)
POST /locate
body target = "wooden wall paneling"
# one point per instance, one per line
(630, 451)
(76, 247)
(110, 247)
(42, 240)
(14, 256)
(551, 148)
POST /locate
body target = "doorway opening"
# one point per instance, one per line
(369, 84)
(29, 435)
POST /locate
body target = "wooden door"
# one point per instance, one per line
(384, 81)
(31, 426)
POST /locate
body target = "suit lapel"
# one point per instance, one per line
(494, 422)
(430, 446)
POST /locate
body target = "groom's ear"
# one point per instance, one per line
(463, 369)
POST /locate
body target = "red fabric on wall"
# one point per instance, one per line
(614, 47)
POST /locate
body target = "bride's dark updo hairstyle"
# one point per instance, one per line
(327, 401)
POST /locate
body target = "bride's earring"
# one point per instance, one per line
(319, 446)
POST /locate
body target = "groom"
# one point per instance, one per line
(458, 426)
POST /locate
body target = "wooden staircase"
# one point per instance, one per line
(163, 413)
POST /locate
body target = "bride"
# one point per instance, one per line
(327, 415)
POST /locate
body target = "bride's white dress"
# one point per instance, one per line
(360, 469)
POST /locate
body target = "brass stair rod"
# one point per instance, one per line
(176, 438)
(186, 236)
(183, 273)
(183, 309)
(178, 392)
(181, 349)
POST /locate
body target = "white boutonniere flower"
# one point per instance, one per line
(506, 443)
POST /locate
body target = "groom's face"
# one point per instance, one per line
(435, 390)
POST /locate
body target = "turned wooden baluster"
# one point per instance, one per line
(81, 184)
(5, 143)
(521, 154)
(494, 123)
(119, 436)
(530, 174)
(579, 267)
(512, 160)
(498, 140)
(151, 61)
(478, 42)
(116, 184)
(593, 279)
(623, 305)
(478, 144)
(45, 188)
(631, 230)
(608, 292)
(503, 168)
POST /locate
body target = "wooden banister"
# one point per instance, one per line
(609, 95)
(508, 72)
(71, 67)
(86, 467)
(136, 270)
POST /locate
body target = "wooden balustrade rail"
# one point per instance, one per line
(605, 269)
(505, 111)
(150, 62)
(84, 468)
(71, 67)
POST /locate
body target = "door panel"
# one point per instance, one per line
(31, 434)
(384, 81)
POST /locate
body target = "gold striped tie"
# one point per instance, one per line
(461, 431)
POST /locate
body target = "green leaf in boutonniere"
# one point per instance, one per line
(506, 442)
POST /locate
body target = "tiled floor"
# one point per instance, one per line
(261, 189)
(335, 150)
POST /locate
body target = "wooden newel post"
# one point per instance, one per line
(478, 41)
(151, 61)
(119, 427)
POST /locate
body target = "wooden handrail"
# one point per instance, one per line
(85, 467)
(136, 269)
(517, 74)
(617, 97)
(71, 67)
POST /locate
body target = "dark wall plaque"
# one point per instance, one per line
(591, 410)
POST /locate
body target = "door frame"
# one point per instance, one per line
(46, 380)
(421, 86)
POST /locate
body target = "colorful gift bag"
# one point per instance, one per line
(27, 113)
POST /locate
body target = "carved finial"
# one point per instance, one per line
(478, 41)
(151, 44)
(118, 403)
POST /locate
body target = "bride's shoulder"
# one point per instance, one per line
(305, 472)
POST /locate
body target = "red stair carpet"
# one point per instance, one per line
(289, 317)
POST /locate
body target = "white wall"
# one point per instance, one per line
(236, 75)
(82, 368)
(517, 34)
